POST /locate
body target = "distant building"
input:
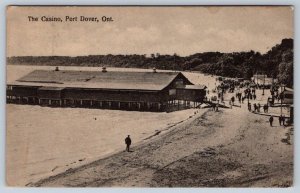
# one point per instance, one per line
(288, 96)
(142, 91)
(262, 79)
(288, 99)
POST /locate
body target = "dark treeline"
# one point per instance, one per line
(276, 63)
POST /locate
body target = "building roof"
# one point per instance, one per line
(195, 87)
(289, 89)
(101, 80)
(260, 76)
(50, 88)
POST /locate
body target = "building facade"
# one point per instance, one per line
(142, 91)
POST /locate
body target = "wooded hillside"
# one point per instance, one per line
(277, 62)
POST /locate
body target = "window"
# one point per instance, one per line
(172, 92)
(179, 83)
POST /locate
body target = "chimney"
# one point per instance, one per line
(104, 69)
(154, 70)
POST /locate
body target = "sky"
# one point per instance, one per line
(145, 30)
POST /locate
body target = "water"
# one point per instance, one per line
(43, 141)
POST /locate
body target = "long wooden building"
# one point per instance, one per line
(143, 91)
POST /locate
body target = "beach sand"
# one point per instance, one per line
(229, 148)
(43, 141)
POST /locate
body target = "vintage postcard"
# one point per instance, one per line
(149, 96)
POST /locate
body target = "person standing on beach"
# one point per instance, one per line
(128, 143)
(271, 120)
(249, 107)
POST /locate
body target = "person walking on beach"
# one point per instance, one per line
(280, 120)
(249, 107)
(240, 98)
(266, 108)
(258, 107)
(271, 120)
(283, 120)
(254, 107)
(232, 100)
(213, 106)
(128, 143)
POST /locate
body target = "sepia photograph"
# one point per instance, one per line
(149, 96)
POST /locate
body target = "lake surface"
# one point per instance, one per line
(43, 141)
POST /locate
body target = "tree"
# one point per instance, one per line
(285, 73)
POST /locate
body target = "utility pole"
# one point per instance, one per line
(281, 98)
(248, 94)
(256, 81)
(264, 86)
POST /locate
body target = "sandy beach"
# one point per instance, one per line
(54, 143)
(229, 148)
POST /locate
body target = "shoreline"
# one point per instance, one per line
(157, 134)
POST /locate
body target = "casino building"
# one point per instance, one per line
(139, 91)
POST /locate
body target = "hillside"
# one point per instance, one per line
(277, 62)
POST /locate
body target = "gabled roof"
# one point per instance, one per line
(101, 80)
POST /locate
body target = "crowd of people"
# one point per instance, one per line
(275, 95)
(243, 91)
(246, 90)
